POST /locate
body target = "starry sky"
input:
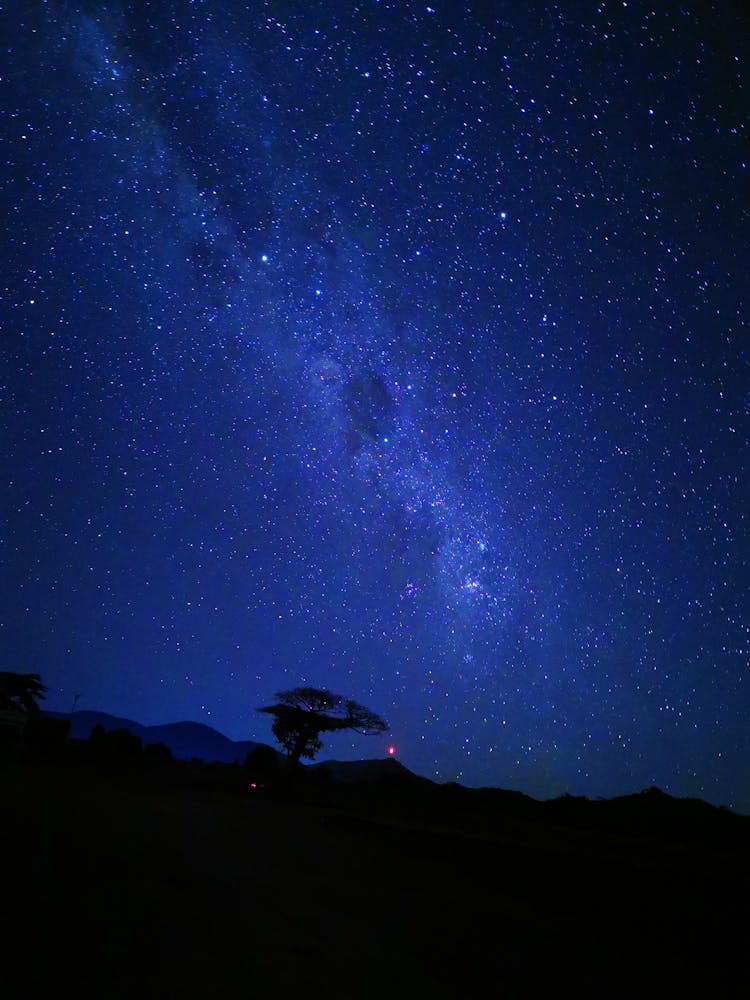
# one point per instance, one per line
(393, 348)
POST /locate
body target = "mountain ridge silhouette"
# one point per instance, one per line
(186, 740)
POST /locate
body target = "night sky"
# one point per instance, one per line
(392, 348)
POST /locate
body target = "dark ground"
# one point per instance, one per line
(179, 881)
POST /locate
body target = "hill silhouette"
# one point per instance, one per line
(368, 772)
(184, 879)
(186, 740)
(650, 813)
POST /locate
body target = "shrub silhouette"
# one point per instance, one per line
(157, 754)
(118, 747)
(262, 764)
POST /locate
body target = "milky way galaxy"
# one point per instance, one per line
(392, 348)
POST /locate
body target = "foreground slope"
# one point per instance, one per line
(185, 882)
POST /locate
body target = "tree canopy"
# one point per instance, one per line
(302, 714)
(21, 691)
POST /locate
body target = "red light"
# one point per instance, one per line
(391, 751)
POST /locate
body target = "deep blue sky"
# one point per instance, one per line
(390, 347)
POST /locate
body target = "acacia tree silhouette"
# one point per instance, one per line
(303, 713)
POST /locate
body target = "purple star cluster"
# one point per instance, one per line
(393, 348)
